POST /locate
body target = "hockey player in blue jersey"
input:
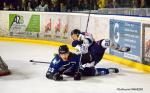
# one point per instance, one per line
(68, 63)
(92, 51)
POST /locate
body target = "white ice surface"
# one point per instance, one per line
(29, 78)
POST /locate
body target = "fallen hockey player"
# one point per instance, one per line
(92, 51)
(68, 63)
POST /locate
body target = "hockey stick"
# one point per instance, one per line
(88, 17)
(88, 20)
(85, 31)
(33, 61)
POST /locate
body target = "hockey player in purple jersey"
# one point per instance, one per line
(92, 51)
(68, 63)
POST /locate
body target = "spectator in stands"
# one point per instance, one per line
(29, 6)
(142, 4)
(86, 5)
(11, 7)
(43, 7)
(35, 5)
(23, 5)
(101, 3)
(80, 5)
(133, 4)
(69, 5)
(55, 7)
(5, 6)
(62, 7)
(18, 8)
(72, 5)
(112, 4)
(92, 4)
(95, 6)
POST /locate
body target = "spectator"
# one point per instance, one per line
(62, 7)
(18, 8)
(80, 5)
(35, 5)
(101, 3)
(5, 6)
(29, 6)
(55, 6)
(134, 4)
(142, 3)
(23, 5)
(92, 4)
(11, 7)
(74, 5)
(95, 6)
(112, 4)
(69, 4)
(86, 5)
(43, 7)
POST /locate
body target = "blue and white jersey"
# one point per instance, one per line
(87, 38)
(57, 65)
(84, 41)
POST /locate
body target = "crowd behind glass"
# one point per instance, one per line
(69, 5)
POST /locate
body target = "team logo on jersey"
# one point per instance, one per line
(56, 61)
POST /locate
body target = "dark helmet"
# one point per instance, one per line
(75, 31)
(63, 49)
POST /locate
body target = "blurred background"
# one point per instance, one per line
(69, 5)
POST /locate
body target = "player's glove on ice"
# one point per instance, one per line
(77, 76)
(49, 75)
(57, 77)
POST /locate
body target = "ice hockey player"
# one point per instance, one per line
(92, 51)
(68, 63)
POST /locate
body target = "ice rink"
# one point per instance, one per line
(30, 78)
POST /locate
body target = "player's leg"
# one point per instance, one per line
(104, 71)
(97, 51)
(86, 58)
(106, 43)
(92, 71)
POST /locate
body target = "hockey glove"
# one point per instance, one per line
(49, 75)
(77, 76)
(57, 77)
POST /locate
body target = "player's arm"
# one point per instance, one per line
(80, 47)
(78, 68)
(53, 70)
(87, 40)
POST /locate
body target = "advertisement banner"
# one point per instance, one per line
(55, 27)
(4, 29)
(99, 27)
(24, 25)
(126, 33)
(146, 43)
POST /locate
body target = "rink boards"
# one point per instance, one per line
(54, 29)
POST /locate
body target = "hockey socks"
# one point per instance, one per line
(104, 71)
(101, 71)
